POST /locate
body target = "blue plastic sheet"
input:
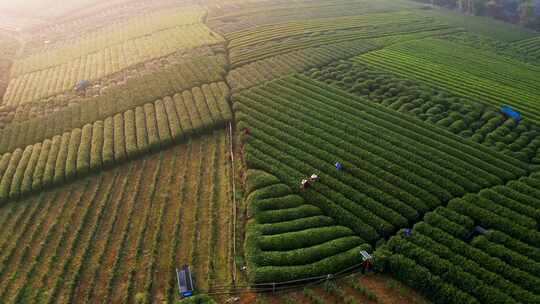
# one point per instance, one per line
(510, 112)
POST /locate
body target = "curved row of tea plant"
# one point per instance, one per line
(258, 72)
(461, 116)
(501, 48)
(530, 46)
(288, 238)
(107, 36)
(37, 85)
(502, 265)
(19, 135)
(265, 41)
(231, 16)
(143, 83)
(111, 141)
(299, 126)
(487, 89)
(478, 62)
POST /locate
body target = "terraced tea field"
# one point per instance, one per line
(116, 167)
(117, 235)
(95, 56)
(271, 40)
(501, 265)
(478, 122)
(475, 74)
(529, 46)
(306, 128)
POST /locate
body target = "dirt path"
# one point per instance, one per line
(390, 291)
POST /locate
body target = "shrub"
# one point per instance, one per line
(15, 190)
(108, 142)
(301, 239)
(418, 277)
(7, 177)
(142, 135)
(37, 179)
(163, 124)
(276, 203)
(183, 114)
(213, 105)
(325, 266)
(151, 127)
(307, 255)
(480, 263)
(26, 185)
(256, 179)
(96, 151)
(119, 139)
(4, 162)
(49, 173)
(221, 93)
(296, 225)
(71, 159)
(454, 229)
(130, 133)
(451, 273)
(83, 155)
(457, 126)
(508, 256)
(174, 121)
(289, 214)
(197, 120)
(61, 159)
(202, 108)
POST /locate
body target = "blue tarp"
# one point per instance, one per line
(339, 166)
(81, 85)
(510, 112)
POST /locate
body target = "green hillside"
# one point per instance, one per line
(269, 145)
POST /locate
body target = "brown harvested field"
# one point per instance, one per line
(117, 236)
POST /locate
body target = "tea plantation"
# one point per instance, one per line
(269, 145)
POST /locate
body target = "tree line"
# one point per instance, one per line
(523, 12)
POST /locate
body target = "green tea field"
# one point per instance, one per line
(270, 151)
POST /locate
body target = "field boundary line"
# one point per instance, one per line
(231, 150)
